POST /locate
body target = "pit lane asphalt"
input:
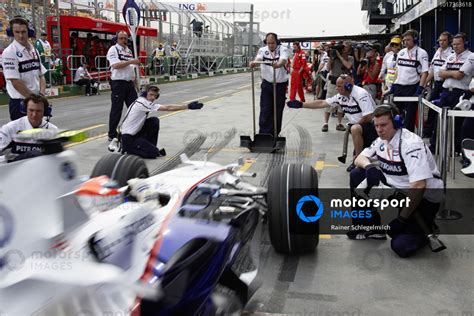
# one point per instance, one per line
(342, 277)
(81, 112)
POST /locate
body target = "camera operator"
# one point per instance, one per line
(359, 54)
(339, 63)
(369, 68)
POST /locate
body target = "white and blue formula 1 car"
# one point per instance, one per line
(123, 242)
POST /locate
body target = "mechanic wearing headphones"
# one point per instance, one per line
(405, 163)
(357, 103)
(36, 108)
(22, 66)
(412, 71)
(278, 55)
(438, 60)
(298, 65)
(139, 134)
(457, 72)
(123, 78)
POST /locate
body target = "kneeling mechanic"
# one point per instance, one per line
(138, 133)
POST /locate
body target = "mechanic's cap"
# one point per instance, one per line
(396, 40)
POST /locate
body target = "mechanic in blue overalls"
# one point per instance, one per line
(138, 132)
(278, 55)
(123, 80)
(405, 163)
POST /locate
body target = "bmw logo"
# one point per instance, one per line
(19, 54)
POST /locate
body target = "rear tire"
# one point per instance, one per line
(281, 181)
(120, 168)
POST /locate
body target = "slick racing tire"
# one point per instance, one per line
(120, 168)
(285, 228)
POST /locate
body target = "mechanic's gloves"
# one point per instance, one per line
(397, 226)
(419, 90)
(295, 104)
(195, 105)
(373, 175)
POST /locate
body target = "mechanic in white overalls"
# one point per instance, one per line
(404, 162)
(357, 104)
(139, 133)
(37, 107)
(22, 66)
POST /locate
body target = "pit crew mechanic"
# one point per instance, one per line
(439, 58)
(457, 73)
(22, 67)
(36, 108)
(407, 164)
(412, 71)
(278, 55)
(357, 103)
(123, 78)
(139, 134)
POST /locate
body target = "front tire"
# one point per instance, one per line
(281, 226)
(120, 168)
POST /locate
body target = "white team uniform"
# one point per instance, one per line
(410, 64)
(438, 61)
(406, 159)
(136, 115)
(116, 54)
(464, 63)
(358, 104)
(80, 73)
(22, 63)
(279, 54)
(9, 131)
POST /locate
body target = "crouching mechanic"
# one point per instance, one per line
(405, 163)
(36, 108)
(357, 104)
(139, 134)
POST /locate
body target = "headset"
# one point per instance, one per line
(271, 34)
(48, 109)
(144, 93)
(30, 26)
(464, 38)
(397, 120)
(347, 85)
(449, 35)
(414, 34)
